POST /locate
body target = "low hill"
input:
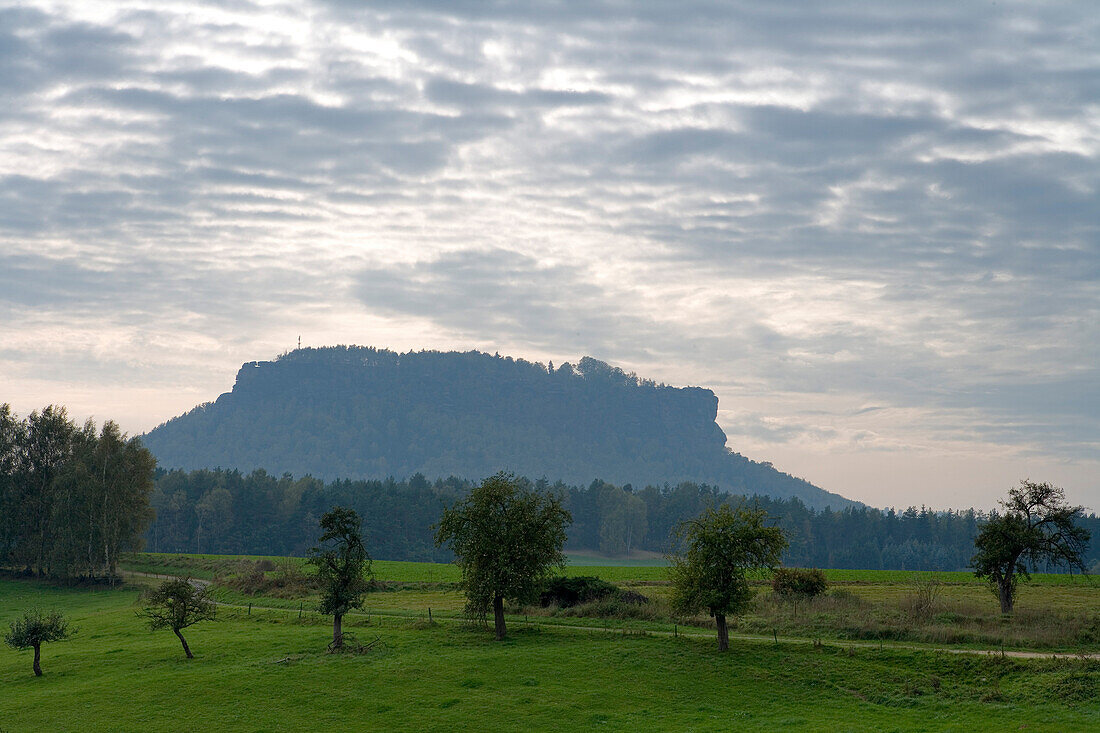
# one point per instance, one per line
(353, 412)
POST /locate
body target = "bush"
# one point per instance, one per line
(614, 607)
(568, 592)
(923, 602)
(287, 580)
(845, 596)
(798, 582)
(632, 598)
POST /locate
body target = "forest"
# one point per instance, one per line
(227, 511)
(71, 497)
(349, 412)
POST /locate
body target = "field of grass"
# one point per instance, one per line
(269, 672)
(639, 558)
(640, 570)
(1054, 613)
(207, 566)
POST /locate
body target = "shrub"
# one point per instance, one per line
(923, 602)
(613, 607)
(632, 598)
(843, 595)
(286, 580)
(798, 582)
(568, 592)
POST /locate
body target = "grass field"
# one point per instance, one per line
(207, 566)
(641, 570)
(268, 672)
(1054, 612)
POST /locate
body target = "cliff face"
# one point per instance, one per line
(351, 412)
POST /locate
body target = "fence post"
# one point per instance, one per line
(300, 603)
(249, 609)
(430, 615)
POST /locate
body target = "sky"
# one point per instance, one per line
(873, 229)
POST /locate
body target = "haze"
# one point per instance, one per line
(873, 231)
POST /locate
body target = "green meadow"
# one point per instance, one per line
(263, 666)
(640, 570)
(268, 671)
(1055, 612)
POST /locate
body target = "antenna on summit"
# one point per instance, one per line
(299, 342)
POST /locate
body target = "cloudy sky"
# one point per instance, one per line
(872, 229)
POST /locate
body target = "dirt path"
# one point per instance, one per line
(695, 634)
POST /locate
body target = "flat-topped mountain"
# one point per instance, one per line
(354, 412)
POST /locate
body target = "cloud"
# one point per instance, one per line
(810, 207)
(510, 296)
(480, 96)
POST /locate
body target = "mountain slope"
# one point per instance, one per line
(349, 412)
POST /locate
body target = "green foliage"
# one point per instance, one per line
(718, 550)
(565, 592)
(506, 540)
(176, 604)
(623, 606)
(1037, 526)
(623, 522)
(341, 561)
(36, 627)
(275, 515)
(798, 582)
(287, 579)
(70, 499)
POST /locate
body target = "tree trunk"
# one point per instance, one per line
(498, 616)
(186, 649)
(337, 631)
(1004, 594)
(103, 522)
(723, 632)
(37, 659)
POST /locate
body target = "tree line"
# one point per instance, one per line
(508, 539)
(71, 497)
(227, 511)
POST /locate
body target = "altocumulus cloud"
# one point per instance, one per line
(814, 208)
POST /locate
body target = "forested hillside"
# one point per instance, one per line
(358, 412)
(257, 513)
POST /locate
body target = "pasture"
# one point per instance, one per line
(1055, 612)
(268, 671)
